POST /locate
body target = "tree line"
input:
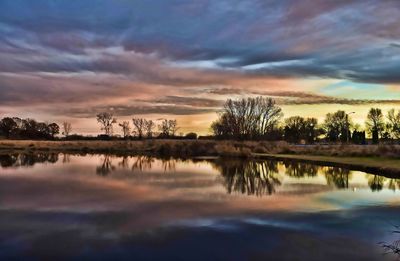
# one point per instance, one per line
(17, 128)
(261, 119)
(255, 118)
(141, 128)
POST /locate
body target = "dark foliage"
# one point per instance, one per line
(16, 128)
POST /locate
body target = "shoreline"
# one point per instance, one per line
(363, 158)
(380, 166)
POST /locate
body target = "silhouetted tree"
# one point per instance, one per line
(168, 128)
(394, 123)
(173, 127)
(149, 126)
(375, 123)
(250, 118)
(126, 129)
(27, 129)
(358, 137)
(297, 128)
(106, 120)
(337, 126)
(7, 127)
(139, 125)
(67, 128)
(294, 129)
(53, 129)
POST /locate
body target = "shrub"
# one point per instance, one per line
(191, 136)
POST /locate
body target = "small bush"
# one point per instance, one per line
(191, 136)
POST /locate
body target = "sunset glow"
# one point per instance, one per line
(69, 60)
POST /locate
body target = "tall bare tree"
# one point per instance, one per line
(139, 124)
(173, 127)
(163, 127)
(149, 127)
(126, 129)
(168, 128)
(67, 128)
(106, 120)
(247, 118)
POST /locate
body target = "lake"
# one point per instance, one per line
(103, 207)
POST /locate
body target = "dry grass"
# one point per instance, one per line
(189, 148)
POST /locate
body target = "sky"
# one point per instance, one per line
(63, 60)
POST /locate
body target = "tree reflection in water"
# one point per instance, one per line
(66, 158)
(124, 162)
(140, 164)
(249, 177)
(338, 177)
(143, 163)
(106, 167)
(394, 184)
(26, 160)
(376, 182)
(301, 170)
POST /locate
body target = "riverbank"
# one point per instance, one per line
(370, 158)
(389, 167)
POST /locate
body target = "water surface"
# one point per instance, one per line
(60, 206)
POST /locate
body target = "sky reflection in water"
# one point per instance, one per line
(132, 206)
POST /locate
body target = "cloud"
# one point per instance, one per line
(190, 101)
(301, 98)
(76, 58)
(253, 33)
(130, 110)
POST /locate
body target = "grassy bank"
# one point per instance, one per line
(371, 158)
(378, 165)
(205, 147)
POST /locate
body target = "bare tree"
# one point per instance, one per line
(149, 127)
(106, 120)
(168, 128)
(163, 127)
(173, 127)
(139, 125)
(126, 129)
(67, 128)
(247, 118)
